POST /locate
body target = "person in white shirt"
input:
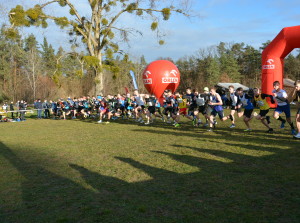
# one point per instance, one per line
(140, 105)
(233, 104)
(297, 100)
(280, 96)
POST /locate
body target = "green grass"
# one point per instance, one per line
(79, 171)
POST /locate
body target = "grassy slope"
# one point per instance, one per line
(79, 171)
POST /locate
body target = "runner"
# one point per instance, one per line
(191, 103)
(245, 101)
(261, 102)
(202, 102)
(297, 100)
(104, 111)
(215, 103)
(149, 108)
(182, 107)
(140, 105)
(233, 105)
(198, 102)
(283, 105)
(170, 106)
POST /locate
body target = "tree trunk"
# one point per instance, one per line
(99, 76)
(99, 84)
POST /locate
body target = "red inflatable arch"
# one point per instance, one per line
(274, 54)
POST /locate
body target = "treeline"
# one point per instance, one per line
(230, 62)
(31, 70)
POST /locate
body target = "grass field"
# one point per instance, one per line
(80, 171)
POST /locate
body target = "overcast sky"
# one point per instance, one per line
(250, 21)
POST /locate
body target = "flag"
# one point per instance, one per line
(133, 78)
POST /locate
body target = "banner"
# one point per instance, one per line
(133, 79)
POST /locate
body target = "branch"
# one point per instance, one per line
(109, 27)
(79, 19)
(48, 3)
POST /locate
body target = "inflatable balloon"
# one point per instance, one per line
(273, 57)
(159, 76)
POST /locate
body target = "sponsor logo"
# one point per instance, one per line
(269, 65)
(147, 73)
(174, 72)
(169, 80)
(146, 79)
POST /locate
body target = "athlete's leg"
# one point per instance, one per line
(298, 122)
(246, 120)
(232, 112)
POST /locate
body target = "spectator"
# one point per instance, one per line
(39, 107)
(22, 108)
(5, 107)
(46, 106)
(17, 106)
(11, 108)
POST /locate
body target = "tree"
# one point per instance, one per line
(11, 52)
(251, 65)
(212, 70)
(97, 32)
(264, 45)
(48, 56)
(32, 62)
(228, 63)
(292, 67)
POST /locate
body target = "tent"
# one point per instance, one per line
(288, 83)
(235, 85)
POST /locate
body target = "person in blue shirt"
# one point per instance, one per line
(215, 104)
(245, 101)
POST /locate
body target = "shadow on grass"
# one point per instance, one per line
(222, 134)
(245, 189)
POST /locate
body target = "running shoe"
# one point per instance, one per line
(282, 124)
(297, 136)
(270, 130)
(147, 123)
(232, 126)
(107, 122)
(210, 130)
(247, 130)
(100, 121)
(205, 125)
(142, 121)
(177, 125)
(293, 132)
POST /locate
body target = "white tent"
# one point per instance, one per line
(235, 85)
(288, 82)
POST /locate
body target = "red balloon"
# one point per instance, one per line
(159, 76)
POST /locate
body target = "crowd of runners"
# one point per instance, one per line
(201, 108)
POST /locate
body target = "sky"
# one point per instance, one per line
(231, 21)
